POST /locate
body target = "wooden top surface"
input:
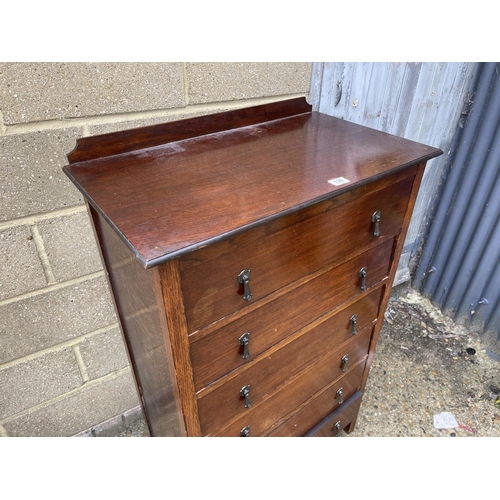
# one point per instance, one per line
(169, 199)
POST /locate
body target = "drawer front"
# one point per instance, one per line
(211, 276)
(262, 417)
(227, 402)
(338, 420)
(222, 351)
(319, 408)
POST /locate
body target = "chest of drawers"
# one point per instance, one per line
(250, 255)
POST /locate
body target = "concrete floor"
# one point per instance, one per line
(424, 365)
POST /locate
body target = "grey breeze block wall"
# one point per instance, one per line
(63, 366)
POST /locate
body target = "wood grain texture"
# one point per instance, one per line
(272, 371)
(346, 416)
(394, 267)
(345, 282)
(88, 148)
(266, 417)
(180, 209)
(169, 200)
(210, 286)
(178, 337)
(140, 317)
(217, 354)
(319, 406)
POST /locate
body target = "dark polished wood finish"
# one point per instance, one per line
(344, 417)
(90, 148)
(143, 325)
(264, 375)
(177, 332)
(282, 405)
(272, 268)
(320, 406)
(181, 209)
(236, 179)
(214, 355)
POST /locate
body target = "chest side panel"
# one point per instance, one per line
(142, 322)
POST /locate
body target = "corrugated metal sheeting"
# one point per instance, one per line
(419, 101)
(459, 266)
(455, 107)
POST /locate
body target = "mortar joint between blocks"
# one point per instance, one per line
(81, 363)
(33, 219)
(42, 254)
(83, 387)
(185, 82)
(3, 129)
(57, 347)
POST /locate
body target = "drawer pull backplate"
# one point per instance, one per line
(336, 429)
(362, 274)
(376, 223)
(245, 393)
(340, 396)
(244, 341)
(244, 279)
(354, 322)
(345, 362)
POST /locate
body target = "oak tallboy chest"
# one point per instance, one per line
(250, 255)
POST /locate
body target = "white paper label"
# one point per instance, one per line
(338, 181)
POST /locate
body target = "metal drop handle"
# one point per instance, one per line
(244, 341)
(345, 363)
(376, 223)
(245, 432)
(244, 279)
(354, 322)
(340, 396)
(245, 393)
(336, 429)
(362, 274)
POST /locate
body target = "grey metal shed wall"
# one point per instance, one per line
(458, 268)
(419, 101)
